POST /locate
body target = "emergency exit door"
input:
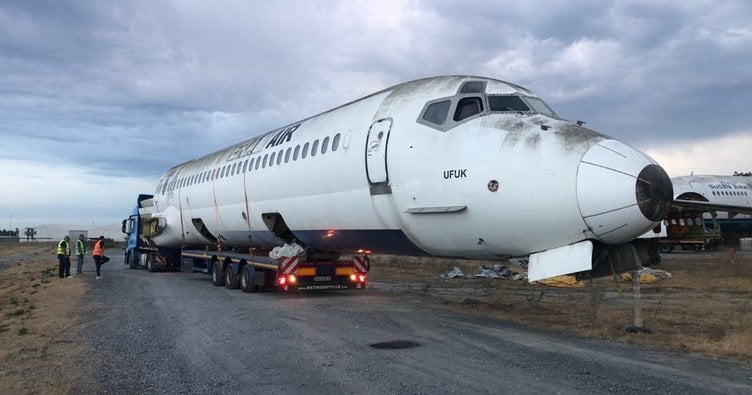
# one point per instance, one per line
(376, 148)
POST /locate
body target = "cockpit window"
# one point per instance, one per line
(467, 107)
(473, 87)
(507, 103)
(539, 106)
(437, 112)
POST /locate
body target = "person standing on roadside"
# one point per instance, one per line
(98, 254)
(63, 257)
(80, 252)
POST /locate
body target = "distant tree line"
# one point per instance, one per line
(741, 173)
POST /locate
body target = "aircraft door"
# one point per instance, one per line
(376, 149)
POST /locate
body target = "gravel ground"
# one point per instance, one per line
(175, 332)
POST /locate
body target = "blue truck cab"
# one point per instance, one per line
(132, 227)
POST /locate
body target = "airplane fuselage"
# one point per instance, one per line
(408, 171)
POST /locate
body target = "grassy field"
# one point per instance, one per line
(705, 307)
(38, 322)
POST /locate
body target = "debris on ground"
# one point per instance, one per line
(647, 275)
(497, 271)
(562, 282)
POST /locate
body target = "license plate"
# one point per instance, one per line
(322, 278)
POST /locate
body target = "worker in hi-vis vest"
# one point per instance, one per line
(80, 252)
(63, 257)
(98, 254)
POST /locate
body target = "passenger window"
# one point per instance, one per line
(305, 151)
(245, 165)
(314, 147)
(222, 172)
(473, 87)
(324, 145)
(232, 171)
(250, 164)
(295, 153)
(335, 142)
(263, 164)
(436, 113)
(467, 107)
(271, 159)
(258, 163)
(279, 157)
(287, 154)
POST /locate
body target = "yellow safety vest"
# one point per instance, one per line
(63, 248)
(80, 247)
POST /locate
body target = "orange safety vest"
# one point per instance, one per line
(98, 250)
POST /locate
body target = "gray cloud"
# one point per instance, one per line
(131, 88)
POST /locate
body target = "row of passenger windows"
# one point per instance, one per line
(256, 163)
(730, 193)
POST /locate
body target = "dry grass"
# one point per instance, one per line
(41, 347)
(706, 307)
(12, 249)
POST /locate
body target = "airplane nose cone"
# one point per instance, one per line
(621, 192)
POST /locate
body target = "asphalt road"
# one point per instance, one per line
(175, 332)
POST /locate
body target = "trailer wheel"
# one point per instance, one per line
(150, 263)
(246, 280)
(217, 278)
(667, 248)
(231, 279)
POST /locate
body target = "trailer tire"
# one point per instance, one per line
(246, 280)
(231, 279)
(218, 279)
(667, 248)
(150, 263)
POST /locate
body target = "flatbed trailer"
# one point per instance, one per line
(252, 273)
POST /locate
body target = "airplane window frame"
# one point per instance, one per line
(458, 117)
(335, 142)
(324, 145)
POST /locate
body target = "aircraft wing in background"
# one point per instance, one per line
(709, 206)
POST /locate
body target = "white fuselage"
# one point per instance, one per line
(380, 178)
(725, 190)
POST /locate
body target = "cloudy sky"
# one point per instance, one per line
(97, 99)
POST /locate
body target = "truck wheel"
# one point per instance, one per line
(149, 263)
(246, 280)
(231, 279)
(217, 278)
(667, 248)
